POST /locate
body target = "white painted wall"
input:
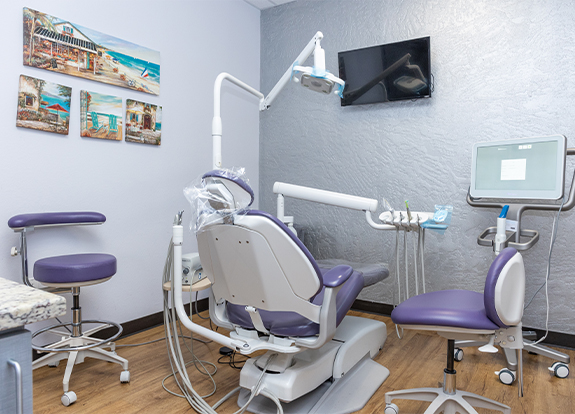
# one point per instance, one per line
(138, 187)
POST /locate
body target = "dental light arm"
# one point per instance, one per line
(316, 78)
(331, 198)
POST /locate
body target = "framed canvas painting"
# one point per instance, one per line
(100, 116)
(143, 122)
(43, 105)
(61, 46)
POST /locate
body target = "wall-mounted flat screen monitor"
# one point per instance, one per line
(384, 73)
(526, 168)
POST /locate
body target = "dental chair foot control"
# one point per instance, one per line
(224, 350)
(68, 398)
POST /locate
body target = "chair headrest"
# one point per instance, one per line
(229, 187)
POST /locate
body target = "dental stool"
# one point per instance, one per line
(67, 274)
(493, 317)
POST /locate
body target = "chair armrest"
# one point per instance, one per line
(55, 219)
(337, 276)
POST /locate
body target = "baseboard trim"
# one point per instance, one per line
(558, 339)
(141, 324)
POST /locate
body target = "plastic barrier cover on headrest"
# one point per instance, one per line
(217, 196)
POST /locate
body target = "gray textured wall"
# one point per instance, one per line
(503, 69)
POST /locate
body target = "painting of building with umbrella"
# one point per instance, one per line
(43, 105)
(100, 116)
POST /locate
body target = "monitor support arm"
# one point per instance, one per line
(515, 212)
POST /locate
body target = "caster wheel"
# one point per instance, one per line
(54, 364)
(68, 398)
(391, 409)
(560, 369)
(125, 376)
(458, 354)
(506, 376)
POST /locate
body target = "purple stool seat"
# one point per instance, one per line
(75, 268)
(456, 308)
(293, 324)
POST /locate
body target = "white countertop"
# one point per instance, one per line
(21, 305)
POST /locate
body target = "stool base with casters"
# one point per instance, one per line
(67, 274)
(76, 345)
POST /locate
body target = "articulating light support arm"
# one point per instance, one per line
(217, 120)
(313, 47)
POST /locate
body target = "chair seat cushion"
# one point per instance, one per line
(75, 268)
(293, 324)
(455, 308)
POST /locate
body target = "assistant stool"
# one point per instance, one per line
(68, 274)
(492, 317)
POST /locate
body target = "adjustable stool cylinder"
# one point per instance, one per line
(69, 273)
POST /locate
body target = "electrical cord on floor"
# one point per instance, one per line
(232, 360)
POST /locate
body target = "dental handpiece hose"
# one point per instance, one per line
(501, 236)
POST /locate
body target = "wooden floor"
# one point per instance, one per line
(415, 361)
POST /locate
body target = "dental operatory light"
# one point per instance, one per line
(315, 78)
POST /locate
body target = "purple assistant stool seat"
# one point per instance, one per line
(67, 274)
(493, 317)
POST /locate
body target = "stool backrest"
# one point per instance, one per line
(504, 292)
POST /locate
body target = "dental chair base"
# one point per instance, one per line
(345, 360)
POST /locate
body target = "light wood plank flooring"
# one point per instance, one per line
(415, 361)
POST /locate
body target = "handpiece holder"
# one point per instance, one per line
(515, 212)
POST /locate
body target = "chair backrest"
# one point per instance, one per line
(255, 260)
(504, 292)
(94, 117)
(113, 122)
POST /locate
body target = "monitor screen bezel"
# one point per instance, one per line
(554, 194)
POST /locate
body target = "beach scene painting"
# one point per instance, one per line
(58, 45)
(43, 105)
(100, 116)
(143, 122)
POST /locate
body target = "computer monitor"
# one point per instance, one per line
(526, 168)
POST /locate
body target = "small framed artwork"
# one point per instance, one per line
(43, 105)
(143, 122)
(100, 116)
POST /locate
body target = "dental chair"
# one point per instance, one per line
(67, 274)
(269, 292)
(493, 317)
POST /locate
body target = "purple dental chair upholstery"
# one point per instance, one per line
(267, 287)
(67, 274)
(493, 316)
